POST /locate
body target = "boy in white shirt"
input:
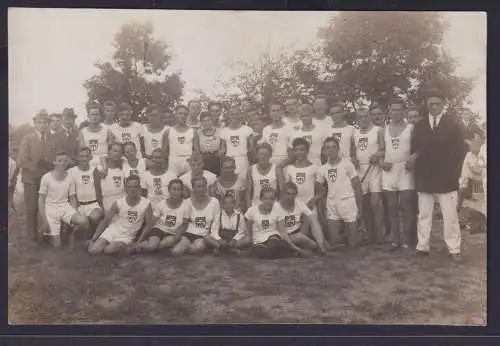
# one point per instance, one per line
(83, 178)
(157, 178)
(343, 197)
(321, 118)
(277, 134)
(228, 231)
(154, 132)
(57, 203)
(124, 220)
(196, 171)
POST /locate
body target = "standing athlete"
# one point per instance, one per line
(321, 118)
(94, 136)
(277, 134)
(126, 130)
(180, 142)
(154, 131)
(342, 131)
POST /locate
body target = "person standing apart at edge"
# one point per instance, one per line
(127, 130)
(154, 132)
(277, 134)
(194, 110)
(36, 154)
(397, 175)
(304, 175)
(369, 143)
(342, 131)
(292, 119)
(94, 136)
(212, 147)
(238, 140)
(314, 134)
(180, 142)
(439, 146)
(321, 118)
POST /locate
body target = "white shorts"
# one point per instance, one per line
(278, 159)
(56, 215)
(241, 167)
(87, 209)
(107, 201)
(373, 180)
(398, 178)
(342, 209)
(178, 164)
(114, 234)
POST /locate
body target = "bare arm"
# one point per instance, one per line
(249, 190)
(41, 207)
(280, 177)
(143, 147)
(97, 187)
(165, 142)
(284, 235)
(358, 194)
(196, 142)
(73, 201)
(105, 222)
(150, 221)
(111, 137)
(249, 231)
(222, 148)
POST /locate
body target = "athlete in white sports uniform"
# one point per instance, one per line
(127, 130)
(197, 171)
(180, 142)
(344, 197)
(157, 178)
(397, 178)
(342, 131)
(95, 136)
(292, 118)
(262, 174)
(369, 144)
(321, 118)
(304, 175)
(124, 220)
(57, 201)
(83, 177)
(133, 164)
(277, 134)
(110, 182)
(315, 135)
(238, 143)
(154, 131)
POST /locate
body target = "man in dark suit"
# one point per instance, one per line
(439, 147)
(67, 137)
(36, 154)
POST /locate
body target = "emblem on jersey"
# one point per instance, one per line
(337, 136)
(332, 174)
(132, 216)
(155, 143)
(200, 222)
(170, 220)
(300, 178)
(264, 183)
(308, 138)
(235, 140)
(363, 143)
(395, 143)
(265, 224)
(85, 179)
(273, 138)
(93, 145)
(117, 180)
(126, 137)
(181, 140)
(290, 221)
(157, 186)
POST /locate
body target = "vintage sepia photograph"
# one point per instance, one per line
(203, 167)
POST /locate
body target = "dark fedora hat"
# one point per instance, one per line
(68, 112)
(42, 114)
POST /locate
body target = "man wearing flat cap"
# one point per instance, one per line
(439, 147)
(36, 154)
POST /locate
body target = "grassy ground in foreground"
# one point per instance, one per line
(363, 286)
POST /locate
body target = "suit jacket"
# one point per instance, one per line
(440, 154)
(36, 159)
(68, 143)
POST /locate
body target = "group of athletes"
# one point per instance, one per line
(298, 180)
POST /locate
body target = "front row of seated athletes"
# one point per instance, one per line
(277, 212)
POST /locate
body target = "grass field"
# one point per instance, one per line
(363, 286)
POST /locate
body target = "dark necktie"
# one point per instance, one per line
(435, 123)
(43, 138)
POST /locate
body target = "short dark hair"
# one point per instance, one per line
(61, 153)
(290, 185)
(110, 103)
(151, 108)
(227, 159)
(269, 190)
(132, 177)
(300, 141)
(202, 178)
(93, 105)
(129, 144)
(397, 101)
(204, 115)
(264, 145)
(179, 107)
(87, 149)
(111, 145)
(274, 103)
(175, 181)
(124, 106)
(191, 101)
(331, 139)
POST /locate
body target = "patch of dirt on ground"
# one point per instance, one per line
(363, 286)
